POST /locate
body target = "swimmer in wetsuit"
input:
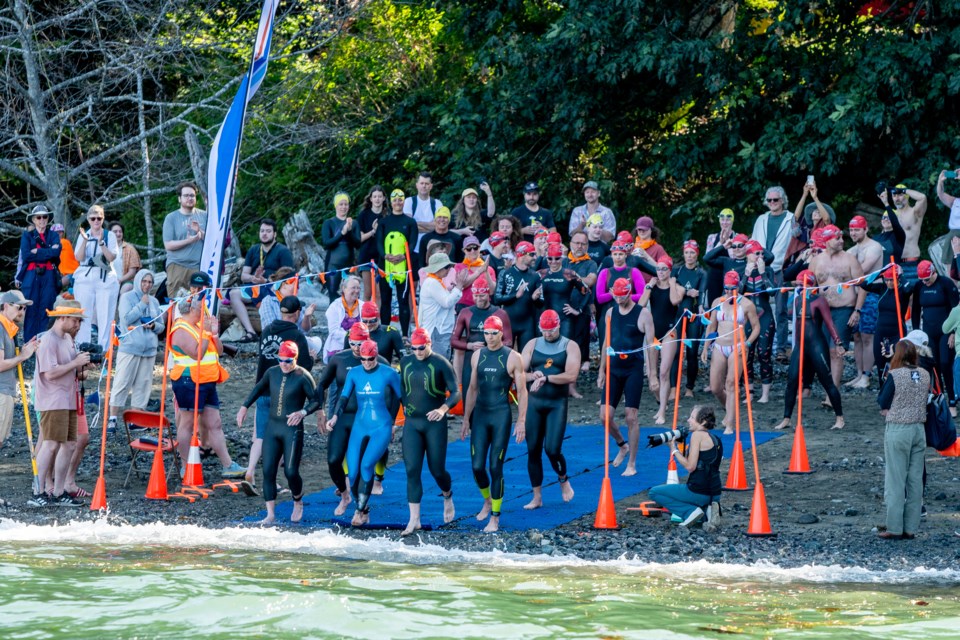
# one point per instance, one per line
(429, 392)
(693, 280)
(336, 370)
(487, 415)
(720, 345)
(628, 326)
(816, 353)
(514, 293)
(551, 362)
(664, 295)
(376, 388)
(934, 299)
(756, 282)
(292, 394)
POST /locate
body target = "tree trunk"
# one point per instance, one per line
(300, 238)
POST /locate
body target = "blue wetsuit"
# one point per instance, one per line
(378, 399)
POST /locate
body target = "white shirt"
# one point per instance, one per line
(421, 211)
(437, 306)
(580, 214)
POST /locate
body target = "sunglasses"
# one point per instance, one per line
(737, 246)
(370, 359)
(554, 258)
(371, 320)
(356, 343)
(95, 219)
(42, 216)
(494, 332)
(474, 248)
(285, 360)
(420, 348)
(773, 199)
(898, 192)
(546, 330)
(726, 217)
(663, 268)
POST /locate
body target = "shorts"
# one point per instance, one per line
(626, 382)
(59, 425)
(7, 404)
(252, 295)
(841, 316)
(184, 389)
(869, 313)
(909, 267)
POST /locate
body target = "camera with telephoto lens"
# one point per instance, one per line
(658, 439)
(94, 349)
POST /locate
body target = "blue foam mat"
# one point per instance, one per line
(582, 447)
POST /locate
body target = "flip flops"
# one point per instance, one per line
(249, 488)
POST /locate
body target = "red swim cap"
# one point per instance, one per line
(624, 236)
(493, 323)
(549, 320)
(480, 285)
(740, 238)
(497, 238)
(359, 332)
(621, 287)
(554, 236)
(731, 279)
(555, 250)
(420, 337)
(288, 349)
(924, 269)
(666, 260)
(809, 275)
(368, 349)
(830, 232)
(691, 244)
(816, 239)
(523, 248)
(858, 222)
(369, 310)
(753, 246)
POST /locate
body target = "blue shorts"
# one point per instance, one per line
(841, 318)
(869, 314)
(184, 390)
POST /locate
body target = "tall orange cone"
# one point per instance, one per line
(606, 510)
(737, 475)
(193, 476)
(157, 486)
(401, 418)
(672, 477)
(99, 500)
(759, 520)
(798, 458)
(953, 451)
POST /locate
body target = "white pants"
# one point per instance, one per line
(99, 301)
(133, 377)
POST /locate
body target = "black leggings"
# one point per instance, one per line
(420, 436)
(403, 303)
(523, 332)
(282, 441)
(581, 334)
(816, 357)
(943, 356)
(546, 425)
(337, 450)
(490, 431)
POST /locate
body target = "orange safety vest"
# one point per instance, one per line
(208, 369)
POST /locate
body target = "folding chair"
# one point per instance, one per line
(146, 441)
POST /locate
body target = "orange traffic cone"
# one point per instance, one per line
(99, 500)
(606, 510)
(672, 472)
(401, 418)
(737, 475)
(953, 451)
(193, 477)
(157, 486)
(759, 521)
(457, 408)
(798, 458)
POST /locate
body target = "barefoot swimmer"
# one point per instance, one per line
(377, 390)
(551, 363)
(628, 326)
(292, 394)
(426, 379)
(495, 367)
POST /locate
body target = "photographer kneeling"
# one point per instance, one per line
(703, 488)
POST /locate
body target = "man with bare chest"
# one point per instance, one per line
(911, 219)
(869, 253)
(833, 267)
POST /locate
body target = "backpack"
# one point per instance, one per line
(394, 244)
(939, 428)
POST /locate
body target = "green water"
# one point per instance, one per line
(113, 590)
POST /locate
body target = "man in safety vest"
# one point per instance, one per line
(195, 383)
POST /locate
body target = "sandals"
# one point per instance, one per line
(79, 493)
(249, 336)
(249, 488)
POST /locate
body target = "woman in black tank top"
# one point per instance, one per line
(701, 494)
(663, 294)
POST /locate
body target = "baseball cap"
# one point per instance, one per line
(645, 223)
(471, 241)
(591, 184)
(200, 279)
(14, 296)
(917, 337)
(290, 304)
(530, 187)
(469, 191)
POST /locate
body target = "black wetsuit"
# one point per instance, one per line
(581, 323)
(690, 279)
(523, 318)
(471, 319)
(337, 368)
(288, 392)
(888, 329)
(816, 353)
(490, 423)
(762, 350)
(547, 411)
(931, 307)
(626, 369)
(388, 339)
(425, 385)
(597, 250)
(559, 291)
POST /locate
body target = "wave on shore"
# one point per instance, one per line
(381, 549)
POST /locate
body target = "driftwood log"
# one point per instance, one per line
(300, 238)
